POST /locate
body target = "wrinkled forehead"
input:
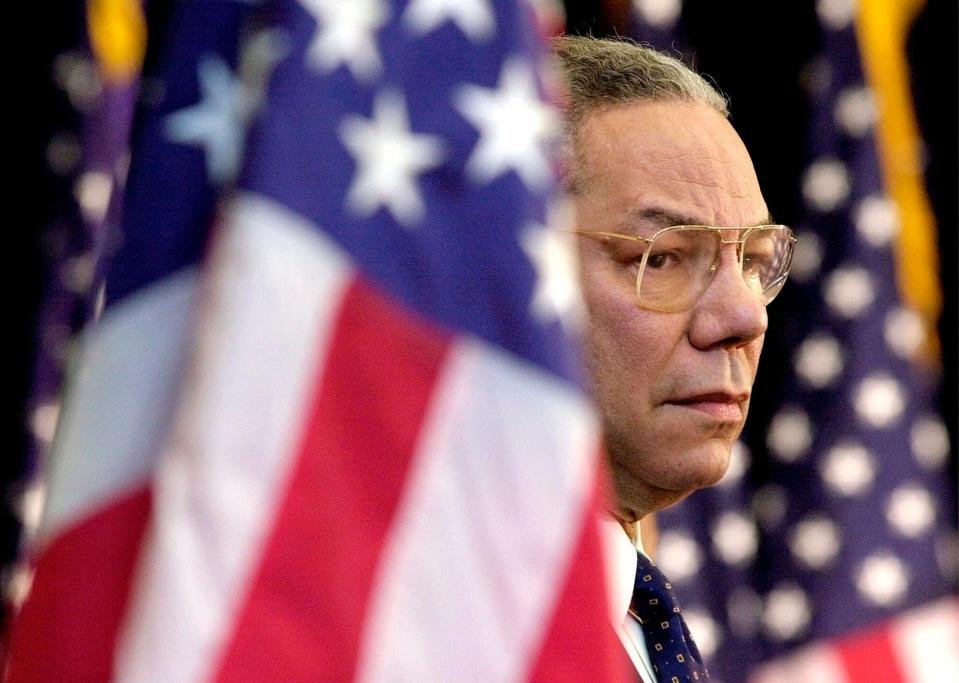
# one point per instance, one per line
(682, 158)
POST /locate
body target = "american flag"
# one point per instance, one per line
(328, 425)
(828, 552)
(90, 61)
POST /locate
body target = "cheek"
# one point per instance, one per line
(627, 352)
(753, 351)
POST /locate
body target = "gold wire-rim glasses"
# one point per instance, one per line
(768, 289)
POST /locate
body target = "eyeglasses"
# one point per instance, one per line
(677, 264)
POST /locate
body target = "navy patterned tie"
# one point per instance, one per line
(674, 655)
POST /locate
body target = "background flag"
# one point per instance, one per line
(828, 553)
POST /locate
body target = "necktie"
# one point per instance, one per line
(673, 653)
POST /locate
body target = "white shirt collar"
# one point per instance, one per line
(621, 560)
(620, 556)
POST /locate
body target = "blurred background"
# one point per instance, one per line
(838, 516)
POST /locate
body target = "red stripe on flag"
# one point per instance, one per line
(580, 643)
(304, 613)
(868, 657)
(67, 628)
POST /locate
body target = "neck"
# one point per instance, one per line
(626, 519)
(631, 529)
(643, 533)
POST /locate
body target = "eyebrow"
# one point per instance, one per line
(665, 218)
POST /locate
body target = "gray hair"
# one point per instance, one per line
(602, 72)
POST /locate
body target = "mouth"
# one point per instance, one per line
(720, 405)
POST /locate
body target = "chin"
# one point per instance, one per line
(654, 476)
(688, 481)
(685, 469)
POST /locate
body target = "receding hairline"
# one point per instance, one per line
(604, 73)
(608, 71)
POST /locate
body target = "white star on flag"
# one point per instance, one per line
(217, 122)
(474, 17)
(550, 249)
(514, 126)
(345, 34)
(388, 158)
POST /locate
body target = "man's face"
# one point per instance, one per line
(672, 388)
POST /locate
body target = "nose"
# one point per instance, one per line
(729, 314)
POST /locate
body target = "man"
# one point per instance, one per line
(675, 315)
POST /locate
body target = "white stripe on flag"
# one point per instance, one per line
(269, 307)
(483, 537)
(812, 664)
(926, 643)
(120, 400)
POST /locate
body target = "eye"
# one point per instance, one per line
(660, 260)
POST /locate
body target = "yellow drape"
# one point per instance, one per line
(117, 30)
(882, 27)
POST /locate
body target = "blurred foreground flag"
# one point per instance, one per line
(343, 437)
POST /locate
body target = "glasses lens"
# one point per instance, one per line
(767, 255)
(682, 261)
(678, 268)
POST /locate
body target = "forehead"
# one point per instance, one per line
(677, 157)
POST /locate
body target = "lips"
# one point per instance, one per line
(721, 405)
